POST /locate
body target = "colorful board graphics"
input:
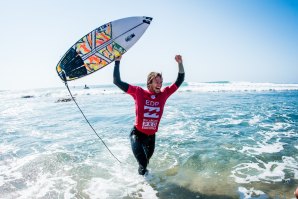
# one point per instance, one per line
(101, 46)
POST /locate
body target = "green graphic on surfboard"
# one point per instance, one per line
(99, 48)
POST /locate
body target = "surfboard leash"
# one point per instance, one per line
(65, 82)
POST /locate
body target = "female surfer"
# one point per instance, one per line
(149, 105)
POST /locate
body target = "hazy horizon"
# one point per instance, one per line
(228, 40)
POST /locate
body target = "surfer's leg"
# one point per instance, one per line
(138, 150)
(150, 145)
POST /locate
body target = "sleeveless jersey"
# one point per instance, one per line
(149, 107)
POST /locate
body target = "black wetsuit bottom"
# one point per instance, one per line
(142, 147)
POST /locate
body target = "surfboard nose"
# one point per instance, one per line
(147, 20)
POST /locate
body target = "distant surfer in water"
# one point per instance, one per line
(149, 106)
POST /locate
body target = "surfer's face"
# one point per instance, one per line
(156, 84)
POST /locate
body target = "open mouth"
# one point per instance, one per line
(157, 89)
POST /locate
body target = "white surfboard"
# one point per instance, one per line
(101, 46)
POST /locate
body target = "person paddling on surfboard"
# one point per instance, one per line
(149, 105)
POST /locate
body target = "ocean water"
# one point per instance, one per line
(216, 140)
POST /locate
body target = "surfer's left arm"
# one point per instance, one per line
(181, 73)
(116, 76)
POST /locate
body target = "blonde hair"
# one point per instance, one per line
(152, 76)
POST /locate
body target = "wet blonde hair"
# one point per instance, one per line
(152, 76)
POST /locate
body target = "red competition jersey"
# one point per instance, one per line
(149, 107)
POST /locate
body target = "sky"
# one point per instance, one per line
(219, 40)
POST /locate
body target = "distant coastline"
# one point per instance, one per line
(223, 85)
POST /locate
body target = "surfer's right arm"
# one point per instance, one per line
(116, 76)
(181, 73)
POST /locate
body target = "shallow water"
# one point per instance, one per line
(216, 140)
